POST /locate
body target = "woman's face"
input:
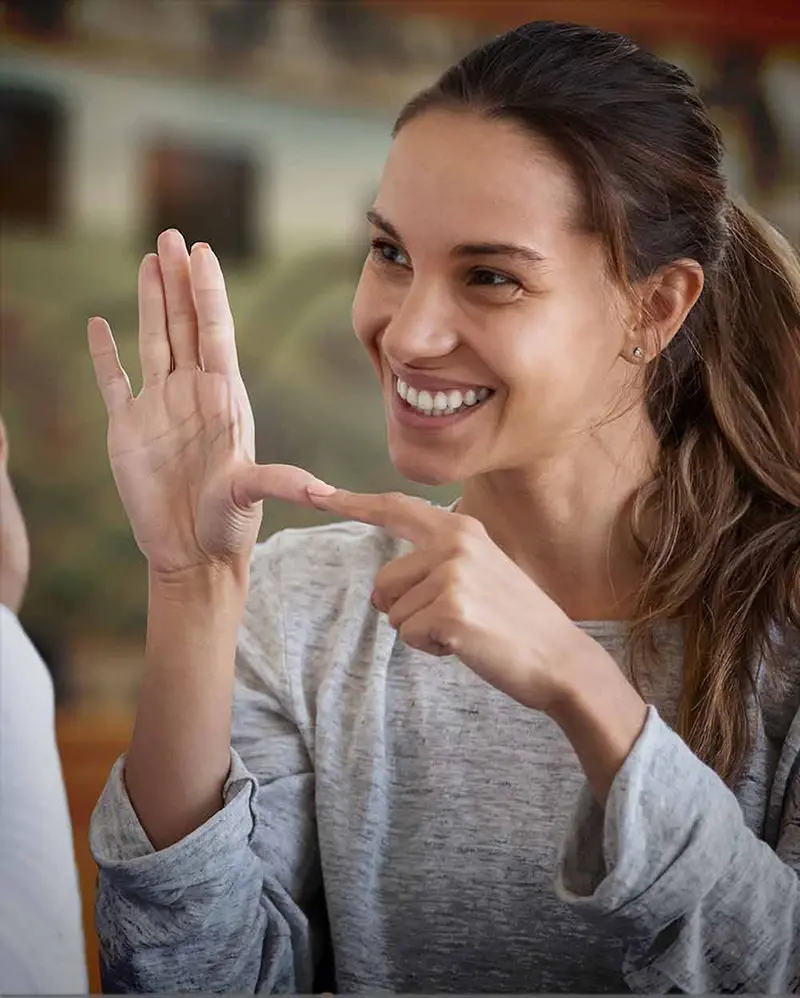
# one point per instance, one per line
(481, 299)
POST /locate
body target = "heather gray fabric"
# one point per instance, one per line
(458, 846)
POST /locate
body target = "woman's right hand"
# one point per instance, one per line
(182, 450)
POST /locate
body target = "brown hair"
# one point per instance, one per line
(724, 395)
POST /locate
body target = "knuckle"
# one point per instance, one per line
(182, 314)
(469, 527)
(453, 575)
(383, 504)
(462, 542)
(465, 539)
(214, 325)
(457, 613)
(407, 634)
(444, 640)
(213, 305)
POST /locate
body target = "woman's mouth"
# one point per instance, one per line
(446, 402)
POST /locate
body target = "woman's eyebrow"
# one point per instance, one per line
(525, 254)
(376, 219)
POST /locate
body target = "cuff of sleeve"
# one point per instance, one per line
(125, 855)
(653, 852)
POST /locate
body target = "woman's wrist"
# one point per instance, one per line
(600, 712)
(195, 617)
(201, 587)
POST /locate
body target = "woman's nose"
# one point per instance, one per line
(423, 327)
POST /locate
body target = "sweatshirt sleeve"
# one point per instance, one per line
(41, 936)
(712, 908)
(231, 907)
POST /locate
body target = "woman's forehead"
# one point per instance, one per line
(471, 179)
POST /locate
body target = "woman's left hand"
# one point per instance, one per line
(457, 593)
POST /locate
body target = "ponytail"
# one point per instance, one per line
(726, 555)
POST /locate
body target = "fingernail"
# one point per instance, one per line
(170, 239)
(320, 489)
(200, 246)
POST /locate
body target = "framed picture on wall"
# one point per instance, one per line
(32, 127)
(209, 193)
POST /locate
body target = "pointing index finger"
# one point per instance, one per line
(408, 517)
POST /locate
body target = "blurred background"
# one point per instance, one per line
(259, 126)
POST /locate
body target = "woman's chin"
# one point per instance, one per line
(425, 470)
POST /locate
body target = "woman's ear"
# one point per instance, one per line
(665, 299)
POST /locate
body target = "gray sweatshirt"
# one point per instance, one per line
(392, 818)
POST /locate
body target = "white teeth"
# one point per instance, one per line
(425, 401)
(440, 403)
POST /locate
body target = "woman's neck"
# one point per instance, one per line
(567, 524)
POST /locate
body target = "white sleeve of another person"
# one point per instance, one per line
(41, 936)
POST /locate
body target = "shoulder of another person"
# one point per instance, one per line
(23, 674)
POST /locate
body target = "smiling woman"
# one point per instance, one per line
(546, 739)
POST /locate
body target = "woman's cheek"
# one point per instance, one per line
(373, 306)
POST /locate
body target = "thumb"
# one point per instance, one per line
(254, 482)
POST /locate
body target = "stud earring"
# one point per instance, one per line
(638, 353)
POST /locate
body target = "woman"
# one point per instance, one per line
(437, 711)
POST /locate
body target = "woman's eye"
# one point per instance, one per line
(385, 252)
(493, 279)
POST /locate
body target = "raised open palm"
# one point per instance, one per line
(182, 450)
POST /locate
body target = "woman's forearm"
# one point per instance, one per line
(601, 714)
(179, 755)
